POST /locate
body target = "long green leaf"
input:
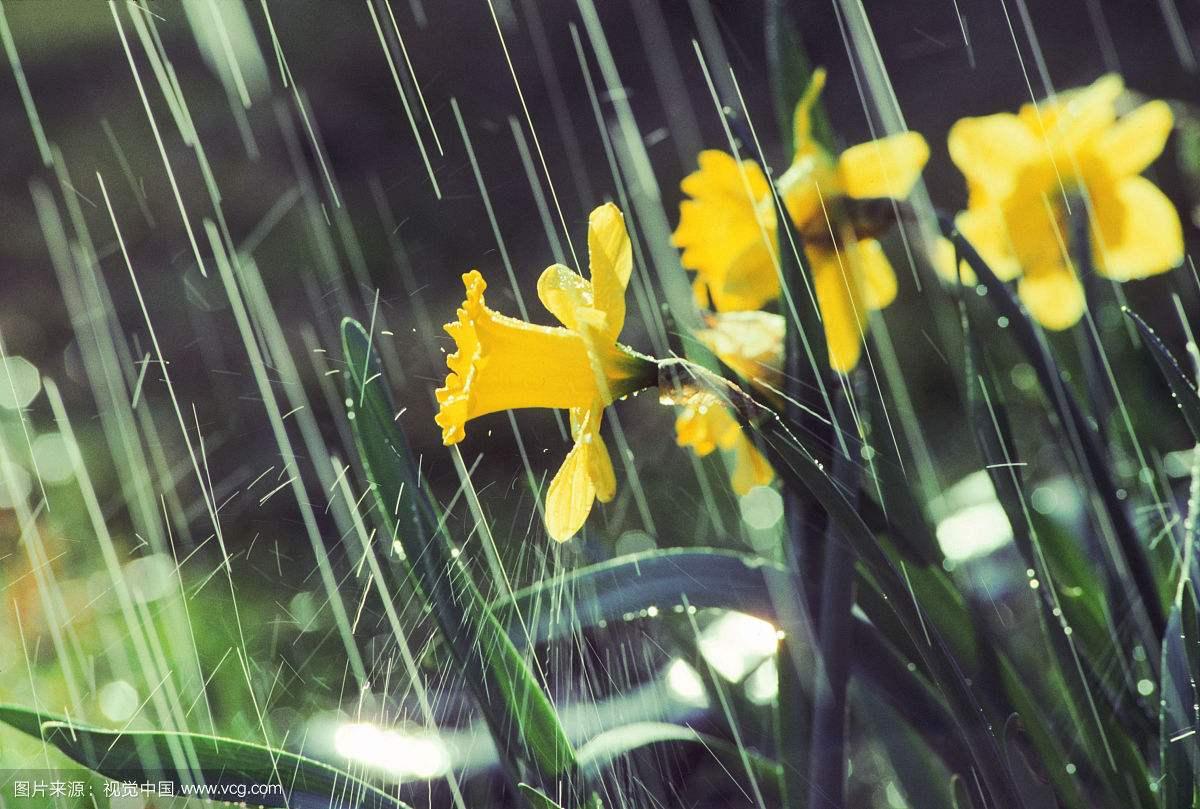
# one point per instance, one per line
(616, 590)
(1178, 714)
(800, 472)
(1182, 390)
(524, 724)
(599, 754)
(990, 425)
(1090, 457)
(217, 762)
(608, 591)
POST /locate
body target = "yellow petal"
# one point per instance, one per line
(810, 179)
(1053, 296)
(843, 312)
(1136, 141)
(1137, 230)
(751, 281)
(991, 152)
(564, 292)
(1074, 120)
(942, 259)
(875, 273)
(600, 469)
(698, 426)
(723, 229)
(987, 231)
(750, 467)
(888, 167)
(1037, 228)
(571, 494)
(706, 424)
(611, 259)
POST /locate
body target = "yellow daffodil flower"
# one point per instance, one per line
(502, 363)
(1028, 173)
(705, 425)
(729, 234)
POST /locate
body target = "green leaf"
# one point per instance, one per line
(1091, 459)
(621, 588)
(522, 720)
(961, 793)
(1066, 672)
(1182, 389)
(1179, 698)
(536, 798)
(144, 756)
(922, 778)
(609, 591)
(600, 753)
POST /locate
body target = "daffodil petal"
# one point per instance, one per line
(502, 363)
(723, 229)
(991, 152)
(564, 292)
(751, 282)
(942, 259)
(1137, 230)
(987, 231)
(1053, 296)
(888, 167)
(600, 469)
(843, 312)
(1076, 118)
(1136, 141)
(875, 272)
(611, 259)
(750, 343)
(570, 496)
(750, 468)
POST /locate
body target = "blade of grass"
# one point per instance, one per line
(993, 436)
(804, 356)
(1179, 752)
(598, 755)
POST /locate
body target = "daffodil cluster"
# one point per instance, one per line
(1029, 175)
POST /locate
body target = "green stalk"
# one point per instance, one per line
(828, 748)
(805, 521)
